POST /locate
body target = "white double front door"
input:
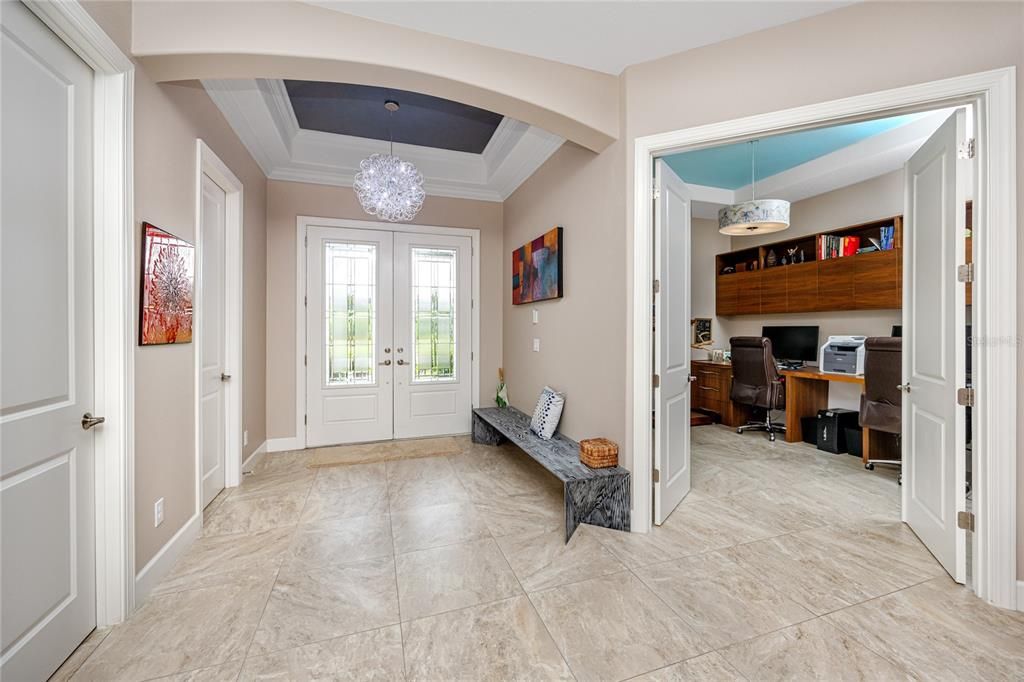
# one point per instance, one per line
(388, 335)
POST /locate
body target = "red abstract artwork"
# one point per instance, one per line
(537, 269)
(168, 267)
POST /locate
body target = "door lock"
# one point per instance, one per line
(387, 350)
(225, 377)
(387, 363)
(904, 387)
(89, 421)
(400, 361)
(399, 350)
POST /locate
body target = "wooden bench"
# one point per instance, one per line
(600, 497)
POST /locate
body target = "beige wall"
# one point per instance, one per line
(707, 242)
(582, 337)
(168, 120)
(286, 201)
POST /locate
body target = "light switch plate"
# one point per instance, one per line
(536, 316)
(536, 345)
(245, 437)
(158, 512)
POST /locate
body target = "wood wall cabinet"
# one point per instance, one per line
(866, 281)
(710, 392)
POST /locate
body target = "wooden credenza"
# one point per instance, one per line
(710, 392)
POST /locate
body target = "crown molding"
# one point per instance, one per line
(261, 114)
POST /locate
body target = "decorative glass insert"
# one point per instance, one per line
(433, 314)
(350, 313)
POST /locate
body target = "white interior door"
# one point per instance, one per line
(212, 310)
(47, 493)
(671, 342)
(933, 345)
(433, 376)
(349, 370)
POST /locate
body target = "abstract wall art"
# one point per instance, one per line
(537, 269)
(168, 273)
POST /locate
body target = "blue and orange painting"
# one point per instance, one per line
(537, 269)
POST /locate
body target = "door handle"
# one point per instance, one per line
(386, 363)
(225, 377)
(89, 421)
(399, 350)
(400, 361)
(904, 387)
(691, 378)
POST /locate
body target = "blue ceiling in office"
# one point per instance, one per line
(358, 110)
(728, 166)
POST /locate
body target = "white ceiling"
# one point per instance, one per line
(603, 36)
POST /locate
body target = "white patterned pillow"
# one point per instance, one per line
(547, 413)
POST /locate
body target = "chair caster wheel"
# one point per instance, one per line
(739, 430)
(771, 437)
(869, 466)
(899, 479)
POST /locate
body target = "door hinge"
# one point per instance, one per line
(653, 413)
(965, 520)
(656, 192)
(305, 360)
(656, 381)
(965, 397)
(305, 240)
(965, 272)
(966, 149)
(657, 476)
(657, 286)
(305, 419)
(305, 300)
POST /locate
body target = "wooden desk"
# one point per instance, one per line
(807, 394)
(710, 392)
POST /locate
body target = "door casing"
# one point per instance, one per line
(993, 96)
(298, 441)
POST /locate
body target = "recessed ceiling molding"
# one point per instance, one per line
(261, 114)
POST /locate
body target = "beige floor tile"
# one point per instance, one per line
(215, 503)
(324, 503)
(428, 527)
(408, 493)
(226, 672)
(373, 655)
(273, 482)
(721, 601)
(280, 462)
(721, 480)
(536, 512)
(225, 558)
(432, 581)
(181, 631)
(504, 640)
(783, 509)
(614, 627)
(661, 543)
(546, 560)
(341, 541)
(79, 655)
(717, 524)
(418, 469)
(256, 513)
(940, 631)
(333, 479)
(307, 606)
(813, 650)
(706, 668)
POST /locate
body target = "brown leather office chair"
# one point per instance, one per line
(881, 403)
(756, 381)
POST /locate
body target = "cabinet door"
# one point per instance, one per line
(876, 280)
(773, 289)
(725, 295)
(802, 288)
(835, 284)
(748, 292)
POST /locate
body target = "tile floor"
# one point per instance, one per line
(783, 563)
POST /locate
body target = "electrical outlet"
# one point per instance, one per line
(536, 345)
(158, 512)
(536, 316)
(245, 437)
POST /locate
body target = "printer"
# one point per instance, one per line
(842, 355)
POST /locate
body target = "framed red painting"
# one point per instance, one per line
(168, 276)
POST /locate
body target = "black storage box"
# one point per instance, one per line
(809, 426)
(854, 442)
(832, 425)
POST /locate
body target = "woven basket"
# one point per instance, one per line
(599, 453)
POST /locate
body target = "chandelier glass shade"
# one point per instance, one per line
(757, 216)
(388, 187)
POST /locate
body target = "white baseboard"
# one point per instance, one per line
(160, 565)
(252, 459)
(282, 444)
(1020, 595)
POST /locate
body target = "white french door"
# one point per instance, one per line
(212, 311)
(933, 343)
(388, 337)
(47, 486)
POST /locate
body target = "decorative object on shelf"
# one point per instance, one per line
(547, 413)
(717, 355)
(537, 269)
(770, 260)
(757, 216)
(728, 270)
(501, 396)
(599, 453)
(168, 269)
(792, 254)
(701, 332)
(388, 187)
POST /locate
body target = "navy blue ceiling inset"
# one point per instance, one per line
(358, 110)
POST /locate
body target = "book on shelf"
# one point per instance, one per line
(832, 246)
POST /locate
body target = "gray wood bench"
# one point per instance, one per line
(600, 497)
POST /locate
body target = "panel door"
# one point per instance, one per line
(213, 373)
(671, 342)
(433, 327)
(349, 359)
(47, 493)
(933, 346)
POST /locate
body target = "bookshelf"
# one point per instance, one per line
(750, 281)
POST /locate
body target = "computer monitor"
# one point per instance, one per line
(793, 344)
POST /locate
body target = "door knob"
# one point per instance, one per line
(89, 421)
(904, 387)
(691, 378)
(224, 377)
(400, 361)
(399, 350)
(387, 363)
(387, 350)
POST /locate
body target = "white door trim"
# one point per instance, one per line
(995, 292)
(208, 163)
(302, 222)
(114, 242)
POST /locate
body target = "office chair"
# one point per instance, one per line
(756, 382)
(881, 403)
